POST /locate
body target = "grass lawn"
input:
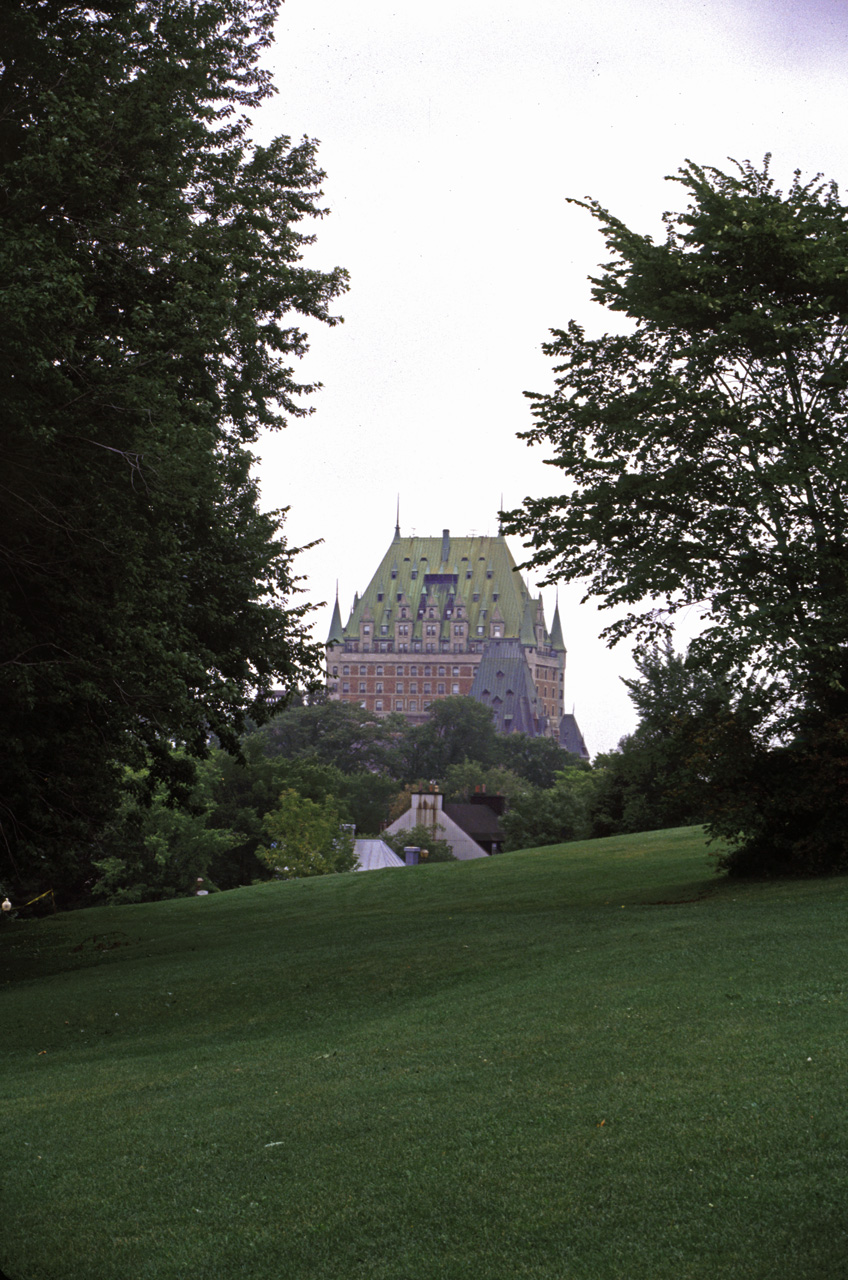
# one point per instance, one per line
(589, 1062)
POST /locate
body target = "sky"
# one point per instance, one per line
(452, 135)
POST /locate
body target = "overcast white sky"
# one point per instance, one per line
(451, 134)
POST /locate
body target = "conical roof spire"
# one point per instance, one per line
(528, 627)
(557, 641)
(336, 635)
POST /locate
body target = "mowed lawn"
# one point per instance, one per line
(594, 1061)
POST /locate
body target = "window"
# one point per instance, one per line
(379, 688)
(413, 671)
(335, 671)
(431, 630)
(346, 687)
(399, 705)
(427, 687)
(479, 631)
(440, 689)
(413, 688)
(496, 631)
(378, 705)
(441, 671)
(454, 688)
(384, 631)
(413, 704)
(428, 671)
(366, 630)
(362, 686)
(458, 631)
(430, 646)
(456, 671)
(379, 597)
(345, 671)
(399, 687)
(380, 671)
(399, 671)
(363, 671)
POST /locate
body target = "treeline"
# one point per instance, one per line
(313, 770)
(308, 763)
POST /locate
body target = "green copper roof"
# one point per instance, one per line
(336, 635)
(477, 576)
(528, 629)
(557, 641)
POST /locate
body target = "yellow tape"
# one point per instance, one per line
(48, 893)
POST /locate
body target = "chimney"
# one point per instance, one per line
(445, 544)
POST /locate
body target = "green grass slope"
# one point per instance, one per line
(589, 1062)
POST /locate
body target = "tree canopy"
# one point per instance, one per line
(705, 458)
(704, 450)
(150, 256)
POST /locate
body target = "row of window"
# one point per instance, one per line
(399, 670)
(389, 646)
(427, 687)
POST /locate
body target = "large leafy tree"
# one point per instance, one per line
(704, 449)
(150, 260)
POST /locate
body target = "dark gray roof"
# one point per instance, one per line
(503, 681)
(476, 820)
(570, 737)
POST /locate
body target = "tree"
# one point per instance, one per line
(663, 774)
(705, 448)
(433, 847)
(150, 261)
(155, 850)
(461, 781)
(336, 733)
(306, 838)
(536, 759)
(554, 815)
(455, 730)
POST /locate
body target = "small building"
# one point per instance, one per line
(479, 818)
(454, 824)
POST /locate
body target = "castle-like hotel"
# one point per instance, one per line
(445, 616)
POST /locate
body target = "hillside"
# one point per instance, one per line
(595, 1061)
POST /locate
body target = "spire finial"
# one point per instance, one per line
(397, 521)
